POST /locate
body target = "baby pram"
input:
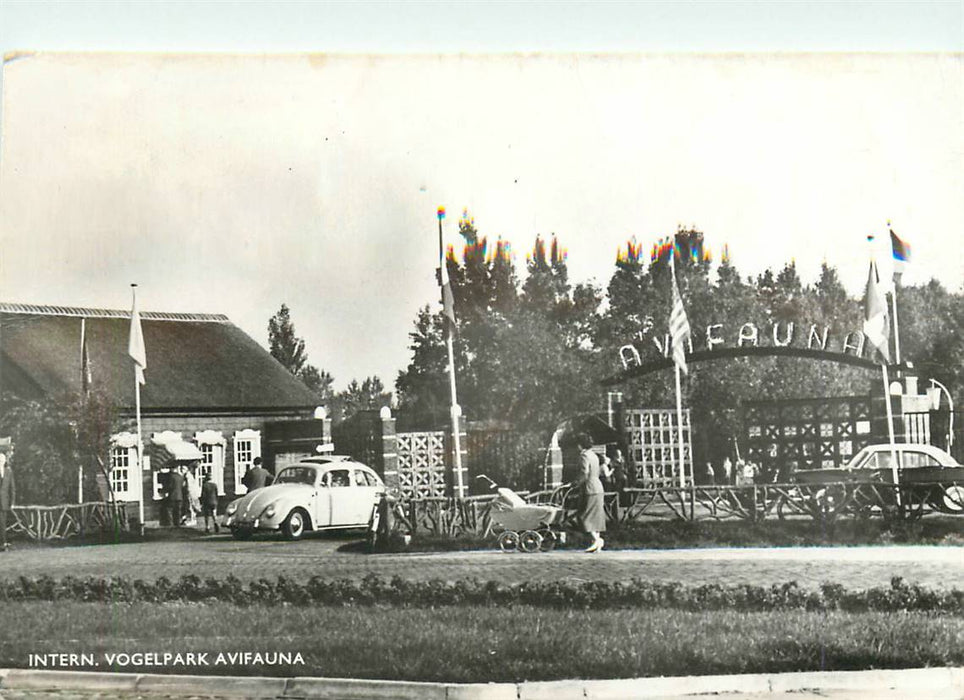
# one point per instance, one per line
(526, 527)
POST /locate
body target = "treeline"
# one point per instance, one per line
(532, 353)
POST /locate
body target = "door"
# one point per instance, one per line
(340, 494)
(320, 500)
(365, 488)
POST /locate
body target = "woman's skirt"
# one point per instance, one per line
(593, 513)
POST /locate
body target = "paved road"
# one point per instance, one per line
(854, 567)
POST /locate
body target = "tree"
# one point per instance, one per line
(288, 349)
(319, 381)
(522, 356)
(54, 436)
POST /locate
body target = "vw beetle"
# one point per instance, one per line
(318, 493)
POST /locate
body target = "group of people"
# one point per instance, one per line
(740, 474)
(186, 495)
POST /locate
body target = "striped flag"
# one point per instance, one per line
(135, 345)
(901, 251)
(679, 325)
(876, 323)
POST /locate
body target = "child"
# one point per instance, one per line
(209, 503)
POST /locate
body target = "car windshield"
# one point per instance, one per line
(859, 459)
(296, 475)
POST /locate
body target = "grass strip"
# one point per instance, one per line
(399, 592)
(477, 644)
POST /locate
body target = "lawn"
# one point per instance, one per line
(481, 643)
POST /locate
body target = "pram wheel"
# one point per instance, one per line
(509, 541)
(530, 541)
(548, 540)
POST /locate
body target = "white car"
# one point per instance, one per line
(932, 474)
(317, 493)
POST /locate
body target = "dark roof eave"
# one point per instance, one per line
(235, 410)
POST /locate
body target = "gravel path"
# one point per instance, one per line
(854, 567)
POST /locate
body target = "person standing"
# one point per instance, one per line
(209, 503)
(175, 495)
(193, 487)
(593, 513)
(8, 496)
(257, 476)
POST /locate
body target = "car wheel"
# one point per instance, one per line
(294, 525)
(953, 500)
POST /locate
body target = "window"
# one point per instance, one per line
(915, 460)
(123, 466)
(338, 478)
(211, 444)
(362, 478)
(247, 446)
(881, 460)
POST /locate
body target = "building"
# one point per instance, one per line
(211, 391)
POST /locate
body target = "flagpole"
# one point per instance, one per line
(893, 302)
(679, 430)
(83, 397)
(140, 443)
(881, 343)
(890, 432)
(454, 410)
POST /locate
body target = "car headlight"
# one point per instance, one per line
(232, 508)
(269, 511)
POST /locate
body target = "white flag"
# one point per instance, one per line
(135, 346)
(876, 323)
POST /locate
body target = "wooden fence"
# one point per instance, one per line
(471, 516)
(63, 521)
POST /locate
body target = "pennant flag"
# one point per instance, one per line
(876, 324)
(85, 375)
(901, 253)
(135, 346)
(679, 325)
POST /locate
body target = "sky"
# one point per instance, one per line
(229, 158)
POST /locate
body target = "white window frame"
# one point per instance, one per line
(214, 441)
(245, 441)
(123, 444)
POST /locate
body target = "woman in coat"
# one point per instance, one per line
(593, 515)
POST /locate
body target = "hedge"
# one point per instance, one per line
(398, 592)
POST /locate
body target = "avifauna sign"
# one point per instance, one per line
(720, 341)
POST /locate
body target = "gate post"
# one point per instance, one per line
(389, 449)
(463, 454)
(552, 473)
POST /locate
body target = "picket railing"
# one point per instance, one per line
(64, 521)
(824, 502)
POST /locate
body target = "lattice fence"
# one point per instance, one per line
(653, 442)
(789, 435)
(421, 464)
